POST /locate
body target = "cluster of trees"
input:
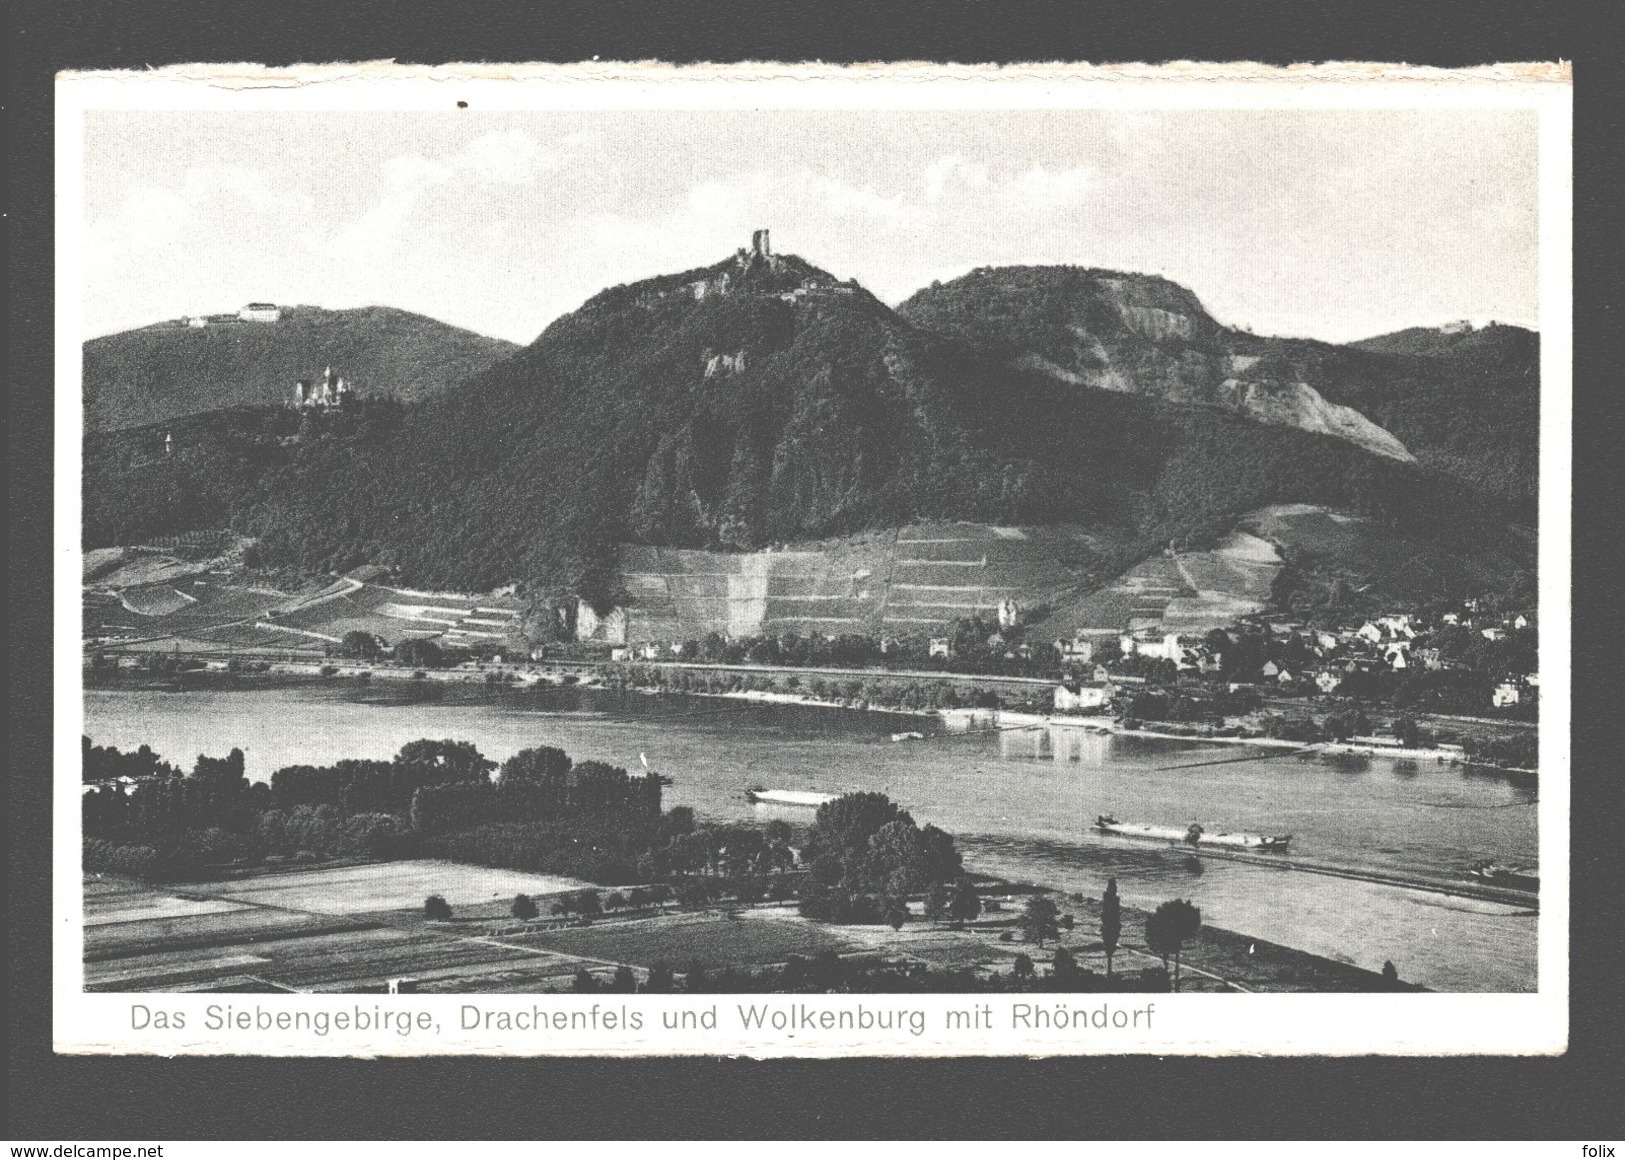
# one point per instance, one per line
(416, 652)
(105, 763)
(598, 848)
(978, 644)
(875, 692)
(828, 971)
(584, 818)
(1190, 703)
(1453, 691)
(867, 856)
(1521, 751)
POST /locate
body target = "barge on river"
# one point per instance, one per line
(1511, 877)
(1192, 835)
(788, 797)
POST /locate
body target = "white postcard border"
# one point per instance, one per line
(1440, 1024)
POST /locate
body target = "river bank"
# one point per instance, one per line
(282, 674)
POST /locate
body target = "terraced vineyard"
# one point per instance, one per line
(911, 580)
(214, 612)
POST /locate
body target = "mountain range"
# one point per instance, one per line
(762, 400)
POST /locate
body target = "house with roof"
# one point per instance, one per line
(1078, 697)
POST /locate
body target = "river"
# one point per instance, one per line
(1018, 802)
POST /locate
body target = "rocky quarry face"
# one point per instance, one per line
(1140, 335)
(1300, 405)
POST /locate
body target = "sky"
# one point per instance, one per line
(1332, 224)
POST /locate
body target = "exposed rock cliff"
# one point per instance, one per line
(1135, 333)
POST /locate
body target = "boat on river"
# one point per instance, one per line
(788, 797)
(1193, 835)
(1511, 877)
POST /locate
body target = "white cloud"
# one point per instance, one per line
(953, 169)
(150, 216)
(1046, 189)
(507, 158)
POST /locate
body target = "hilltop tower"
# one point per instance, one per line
(759, 246)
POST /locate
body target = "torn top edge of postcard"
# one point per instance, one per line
(247, 75)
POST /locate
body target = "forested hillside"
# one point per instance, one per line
(169, 370)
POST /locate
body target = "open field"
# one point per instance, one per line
(709, 939)
(265, 933)
(383, 886)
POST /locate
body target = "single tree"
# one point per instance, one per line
(588, 904)
(625, 982)
(614, 900)
(936, 901)
(1064, 968)
(897, 915)
(536, 766)
(1111, 922)
(419, 654)
(659, 981)
(964, 904)
(1038, 919)
(583, 981)
(1169, 928)
(1390, 975)
(436, 909)
(360, 644)
(524, 907)
(1023, 968)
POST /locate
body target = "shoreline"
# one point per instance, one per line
(1003, 720)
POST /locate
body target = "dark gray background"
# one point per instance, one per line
(77, 1099)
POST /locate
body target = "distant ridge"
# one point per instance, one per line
(171, 369)
(1451, 338)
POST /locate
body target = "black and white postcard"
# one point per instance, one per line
(792, 560)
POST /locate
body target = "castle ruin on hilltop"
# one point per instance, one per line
(332, 391)
(747, 268)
